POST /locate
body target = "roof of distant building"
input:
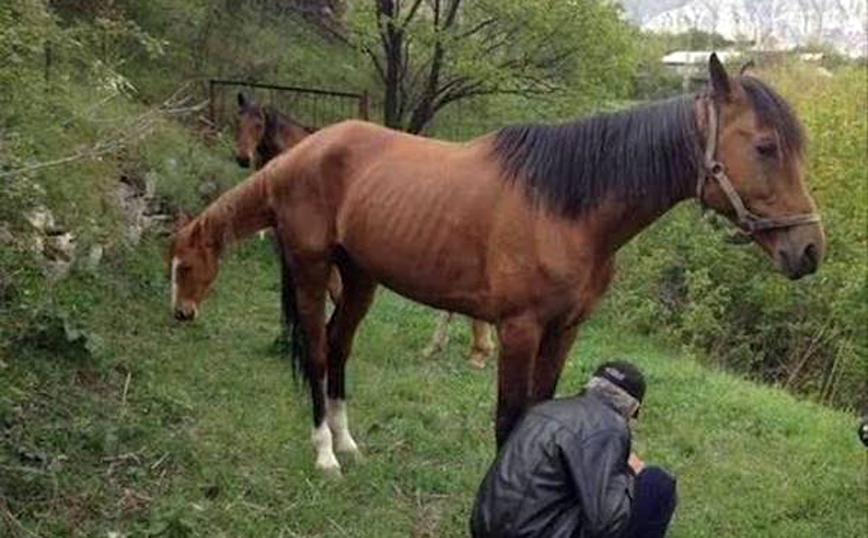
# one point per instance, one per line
(697, 57)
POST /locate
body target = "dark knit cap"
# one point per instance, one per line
(624, 375)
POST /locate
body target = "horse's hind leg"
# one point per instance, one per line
(310, 277)
(482, 345)
(356, 299)
(519, 343)
(441, 335)
(335, 285)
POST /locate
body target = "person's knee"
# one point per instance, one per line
(659, 481)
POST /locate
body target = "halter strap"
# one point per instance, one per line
(748, 221)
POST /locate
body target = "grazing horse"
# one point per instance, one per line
(263, 133)
(519, 227)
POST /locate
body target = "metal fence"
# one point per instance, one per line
(312, 107)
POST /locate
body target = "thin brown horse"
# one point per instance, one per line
(263, 133)
(519, 228)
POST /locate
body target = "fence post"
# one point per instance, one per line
(48, 60)
(211, 114)
(365, 106)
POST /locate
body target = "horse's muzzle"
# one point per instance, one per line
(243, 162)
(185, 314)
(796, 264)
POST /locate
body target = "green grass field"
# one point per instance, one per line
(199, 430)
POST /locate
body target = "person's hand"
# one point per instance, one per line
(635, 463)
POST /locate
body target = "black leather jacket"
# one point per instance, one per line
(562, 473)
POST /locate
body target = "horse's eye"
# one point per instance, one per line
(767, 149)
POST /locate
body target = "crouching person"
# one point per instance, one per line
(567, 470)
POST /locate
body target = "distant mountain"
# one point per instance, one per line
(776, 24)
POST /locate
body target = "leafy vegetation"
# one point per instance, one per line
(682, 276)
(430, 54)
(115, 420)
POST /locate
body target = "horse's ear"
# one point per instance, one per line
(242, 100)
(747, 67)
(183, 219)
(195, 236)
(720, 85)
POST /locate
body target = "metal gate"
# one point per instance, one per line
(311, 107)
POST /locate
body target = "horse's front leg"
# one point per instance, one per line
(519, 343)
(553, 351)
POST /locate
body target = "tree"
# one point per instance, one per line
(430, 53)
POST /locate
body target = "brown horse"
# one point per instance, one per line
(263, 133)
(519, 228)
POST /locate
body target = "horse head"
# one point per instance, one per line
(754, 170)
(252, 123)
(193, 263)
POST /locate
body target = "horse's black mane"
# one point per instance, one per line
(270, 145)
(274, 118)
(651, 152)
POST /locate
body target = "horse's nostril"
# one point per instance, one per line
(811, 258)
(243, 162)
(784, 260)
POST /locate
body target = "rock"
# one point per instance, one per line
(6, 237)
(60, 247)
(94, 257)
(40, 218)
(208, 190)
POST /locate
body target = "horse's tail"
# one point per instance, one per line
(293, 338)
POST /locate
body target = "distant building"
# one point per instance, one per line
(692, 65)
(690, 62)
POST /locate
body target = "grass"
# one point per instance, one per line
(168, 430)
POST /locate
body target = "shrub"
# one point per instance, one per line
(683, 278)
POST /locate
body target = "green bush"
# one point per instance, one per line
(683, 278)
(69, 130)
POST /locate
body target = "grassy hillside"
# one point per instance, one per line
(115, 421)
(170, 430)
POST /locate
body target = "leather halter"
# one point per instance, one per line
(748, 221)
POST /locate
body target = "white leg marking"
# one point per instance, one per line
(175, 263)
(322, 443)
(336, 416)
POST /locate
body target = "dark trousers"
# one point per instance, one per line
(654, 500)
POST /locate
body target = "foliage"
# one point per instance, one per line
(682, 277)
(116, 421)
(693, 39)
(69, 131)
(428, 55)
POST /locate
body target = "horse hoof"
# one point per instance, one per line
(330, 471)
(348, 447)
(355, 455)
(477, 360)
